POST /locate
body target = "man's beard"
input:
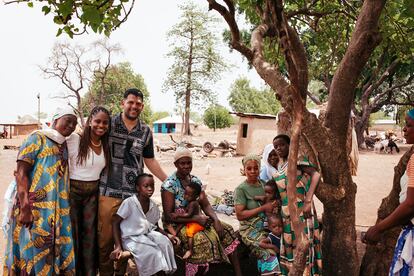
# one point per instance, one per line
(131, 117)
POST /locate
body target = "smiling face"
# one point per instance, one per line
(251, 170)
(66, 124)
(145, 186)
(99, 124)
(409, 130)
(132, 106)
(281, 147)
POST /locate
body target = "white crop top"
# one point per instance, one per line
(93, 166)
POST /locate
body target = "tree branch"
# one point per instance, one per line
(363, 41)
(376, 102)
(228, 15)
(377, 69)
(387, 73)
(294, 51)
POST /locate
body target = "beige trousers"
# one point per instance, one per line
(108, 206)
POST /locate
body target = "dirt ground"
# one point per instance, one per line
(374, 179)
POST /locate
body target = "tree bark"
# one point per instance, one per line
(187, 130)
(377, 258)
(361, 124)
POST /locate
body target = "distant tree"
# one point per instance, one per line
(159, 115)
(26, 119)
(217, 116)
(42, 115)
(119, 78)
(101, 64)
(245, 98)
(75, 65)
(197, 64)
(69, 64)
(196, 117)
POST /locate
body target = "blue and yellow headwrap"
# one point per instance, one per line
(411, 113)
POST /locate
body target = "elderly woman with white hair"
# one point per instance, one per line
(40, 237)
(211, 245)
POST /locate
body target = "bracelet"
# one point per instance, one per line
(308, 201)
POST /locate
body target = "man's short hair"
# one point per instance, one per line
(134, 91)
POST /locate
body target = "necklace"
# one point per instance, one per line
(96, 145)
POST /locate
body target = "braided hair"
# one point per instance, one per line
(85, 138)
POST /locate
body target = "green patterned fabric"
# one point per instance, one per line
(252, 230)
(314, 260)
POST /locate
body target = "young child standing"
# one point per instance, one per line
(272, 241)
(135, 229)
(191, 193)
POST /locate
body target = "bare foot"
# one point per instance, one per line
(187, 254)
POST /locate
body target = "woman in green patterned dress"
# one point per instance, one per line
(307, 180)
(251, 215)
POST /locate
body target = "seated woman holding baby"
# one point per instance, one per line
(217, 241)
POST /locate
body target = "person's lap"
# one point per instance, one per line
(207, 246)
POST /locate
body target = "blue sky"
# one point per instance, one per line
(27, 37)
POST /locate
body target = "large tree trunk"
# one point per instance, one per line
(339, 235)
(377, 258)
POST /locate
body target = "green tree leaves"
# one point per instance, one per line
(217, 116)
(74, 17)
(119, 78)
(196, 63)
(245, 98)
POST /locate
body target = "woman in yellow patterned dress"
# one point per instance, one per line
(40, 236)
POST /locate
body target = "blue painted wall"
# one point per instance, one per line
(164, 128)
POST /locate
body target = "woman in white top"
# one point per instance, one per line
(88, 156)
